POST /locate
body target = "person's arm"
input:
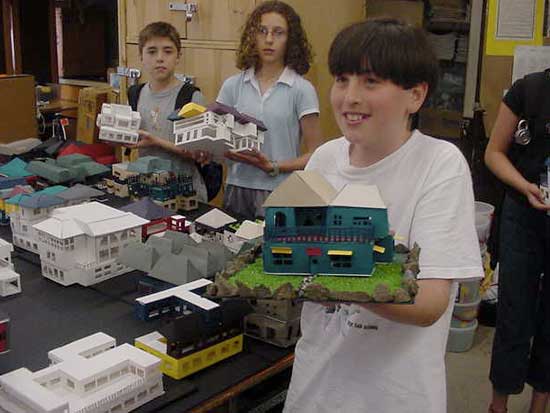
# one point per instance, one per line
(310, 127)
(496, 157)
(429, 304)
(147, 140)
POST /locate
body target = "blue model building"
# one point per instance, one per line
(310, 228)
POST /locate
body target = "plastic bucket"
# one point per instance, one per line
(461, 338)
(466, 311)
(483, 228)
(484, 209)
(468, 292)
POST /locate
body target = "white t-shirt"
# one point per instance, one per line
(352, 360)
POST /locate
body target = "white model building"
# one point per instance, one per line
(30, 209)
(81, 243)
(89, 375)
(118, 123)
(219, 129)
(10, 281)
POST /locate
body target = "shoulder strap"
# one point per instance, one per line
(185, 95)
(133, 95)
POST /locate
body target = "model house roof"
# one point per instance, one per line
(242, 118)
(66, 168)
(184, 293)
(147, 209)
(250, 230)
(15, 168)
(92, 218)
(19, 147)
(302, 189)
(215, 219)
(10, 182)
(79, 192)
(361, 196)
(40, 200)
(18, 189)
(51, 190)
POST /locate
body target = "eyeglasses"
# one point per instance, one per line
(276, 32)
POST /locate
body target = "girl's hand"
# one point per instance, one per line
(534, 196)
(202, 157)
(251, 157)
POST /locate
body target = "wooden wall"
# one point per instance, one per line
(211, 38)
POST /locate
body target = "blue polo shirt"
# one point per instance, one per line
(280, 109)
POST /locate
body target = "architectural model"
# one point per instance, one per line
(156, 178)
(16, 168)
(10, 281)
(213, 225)
(118, 123)
(203, 333)
(4, 333)
(160, 219)
(29, 209)
(248, 233)
(68, 169)
(176, 258)
(90, 375)
(8, 193)
(81, 243)
(310, 228)
(218, 129)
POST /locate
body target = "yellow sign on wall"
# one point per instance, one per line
(513, 23)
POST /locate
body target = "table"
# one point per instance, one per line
(47, 315)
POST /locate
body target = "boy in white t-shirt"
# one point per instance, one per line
(389, 358)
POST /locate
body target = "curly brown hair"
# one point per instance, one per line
(298, 55)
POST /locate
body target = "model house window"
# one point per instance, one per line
(124, 235)
(103, 241)
(103, 255)
(340, 261)
(282, 259)
(36, 211)
(280, 219)
(337, 220)
(362, 220)
(24, 228)
(70, 384)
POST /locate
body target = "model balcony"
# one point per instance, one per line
(319, 234)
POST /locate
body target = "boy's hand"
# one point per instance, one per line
(146, 140)
(251, 157)
(534, 196)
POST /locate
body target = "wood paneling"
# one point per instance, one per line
(496, 77)
(139, 13)
(322, 20)
(209, 66)
(219, 19)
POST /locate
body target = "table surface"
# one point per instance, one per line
(47, 315)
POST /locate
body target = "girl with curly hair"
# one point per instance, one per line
(273, 55)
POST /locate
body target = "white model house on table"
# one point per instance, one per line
(90, 375)
(81, 243)
(27, 210)
(219, 128)
(10, 281)
(118, 123)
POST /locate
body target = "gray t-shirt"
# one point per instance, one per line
(154, 109)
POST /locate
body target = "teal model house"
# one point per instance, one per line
(311, 228)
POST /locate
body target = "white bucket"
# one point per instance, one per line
(462, 338)
(484, 209)
(483, 228)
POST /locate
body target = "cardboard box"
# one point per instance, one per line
(89, 105)
(411, 12)
(17, 108)
(440, 123)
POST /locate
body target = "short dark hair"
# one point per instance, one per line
(298, 54)
(387, 48)
(158, 29)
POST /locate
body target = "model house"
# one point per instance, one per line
(118, 123)
(202, 334)
(68, 169)
(10, 281)
(117, 184)
(176, 258)
(28, 210)
(81, 243)
(310, 228)
(213, 225)
(89, 375)
(4, 332)
(247, 233)
(8, 193)
(218, 129)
